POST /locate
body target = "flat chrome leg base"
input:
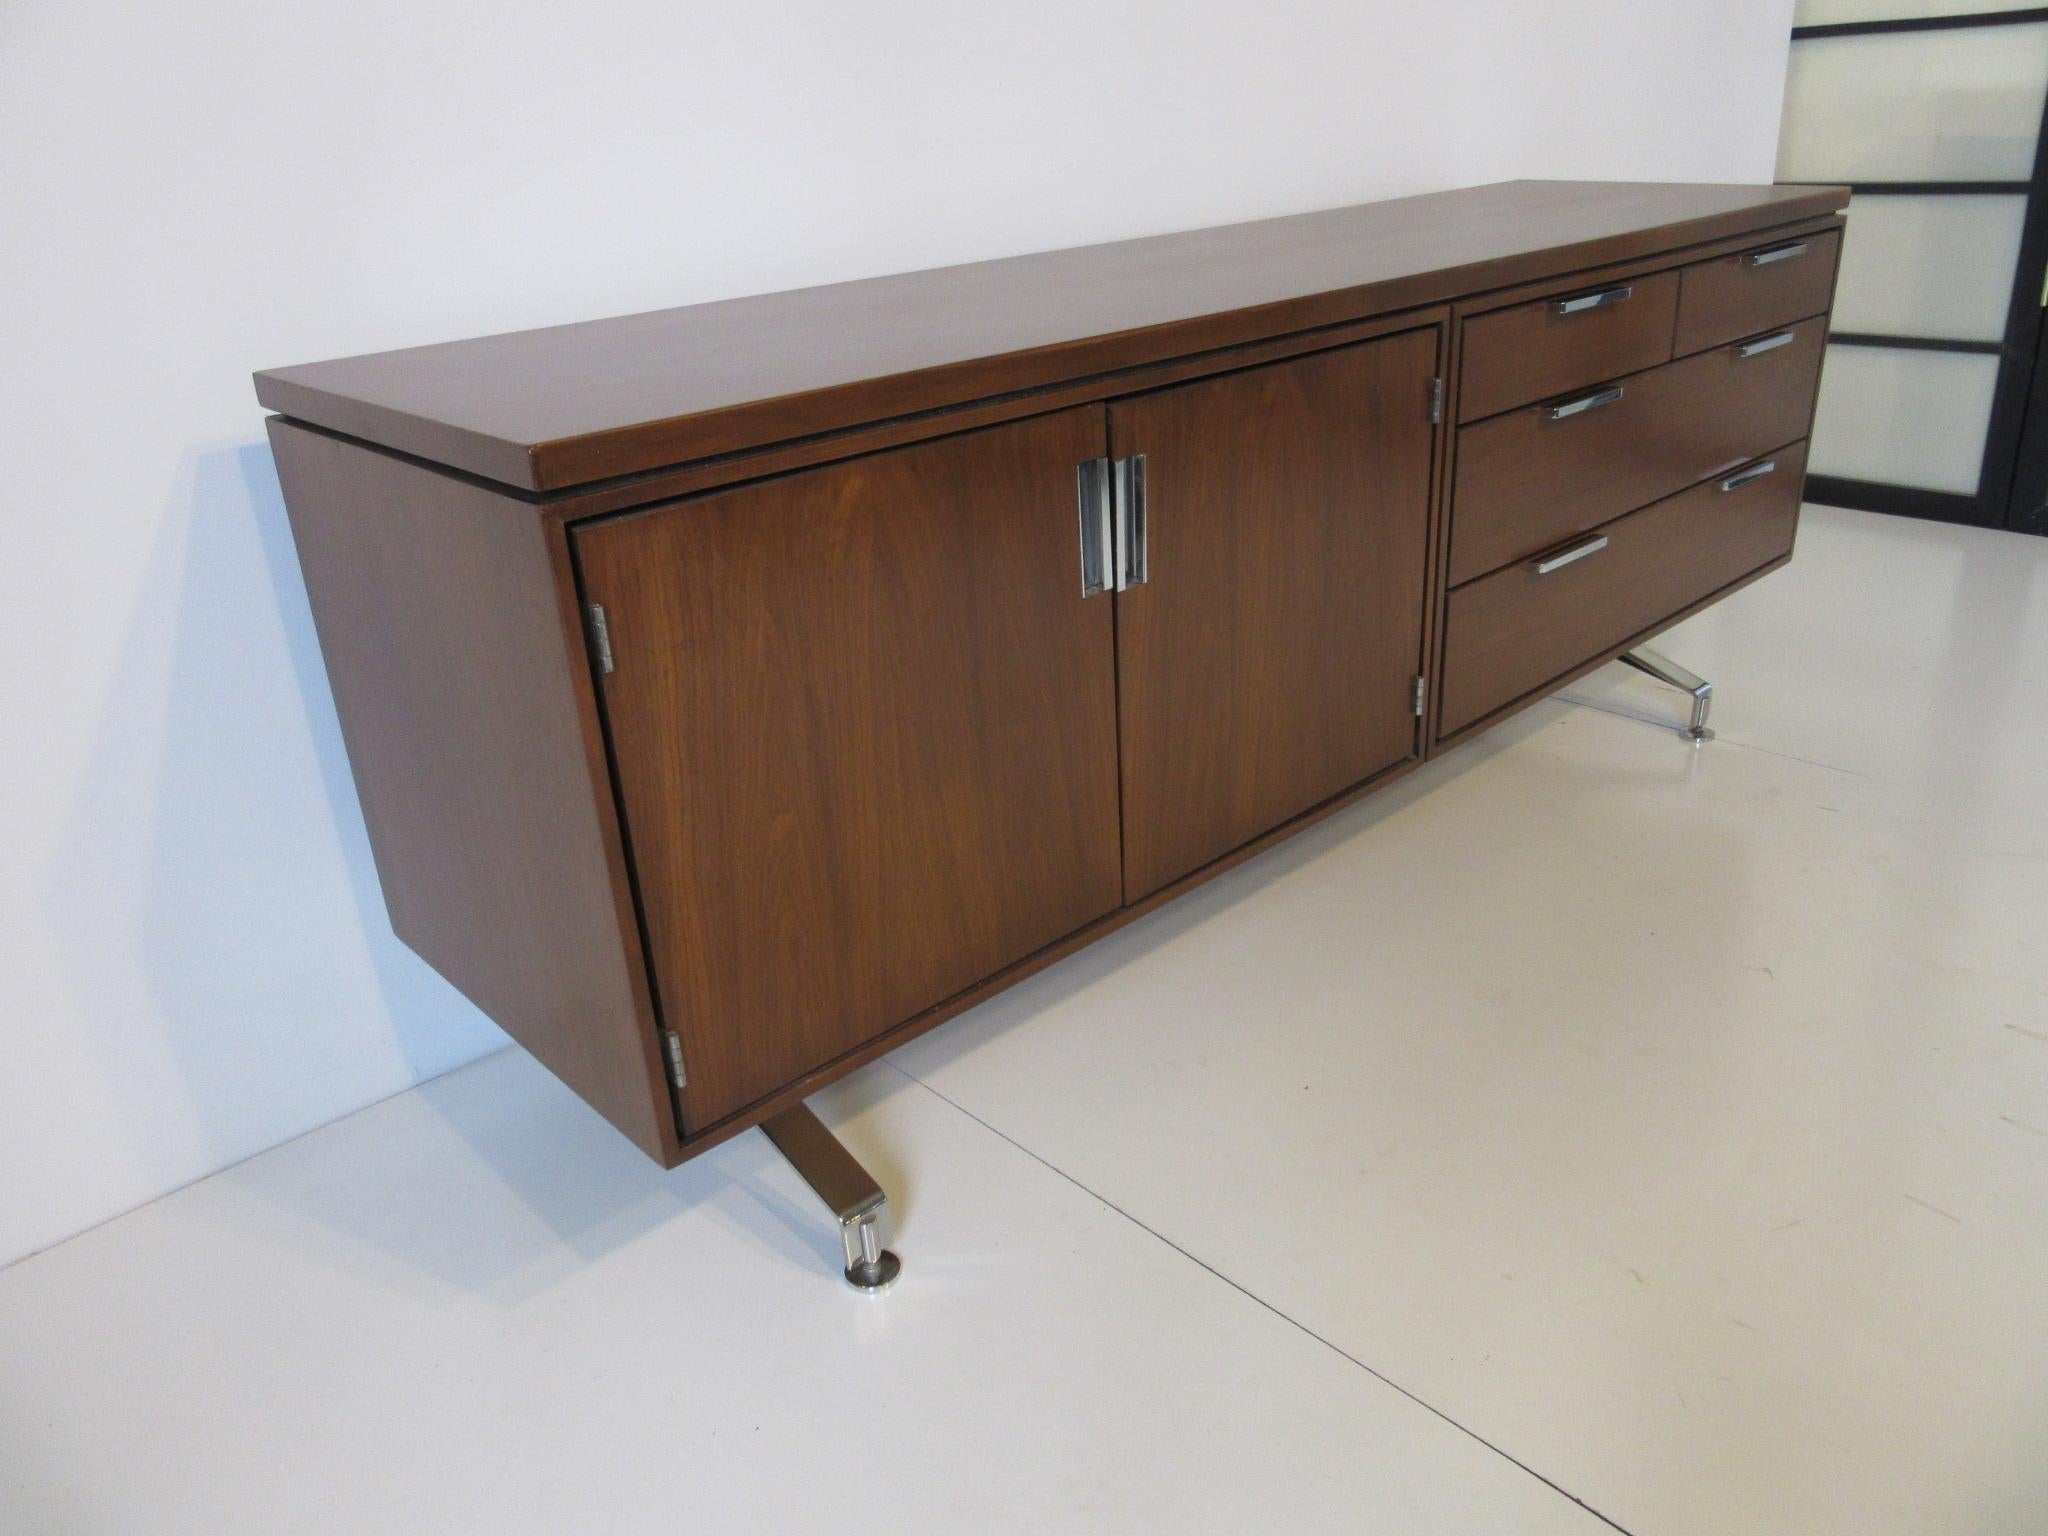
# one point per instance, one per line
(869, 1266)
(1670, 673)
(848, 1190)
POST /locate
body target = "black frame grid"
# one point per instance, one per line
(2012, 479)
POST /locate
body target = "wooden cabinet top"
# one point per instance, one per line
(544, 410)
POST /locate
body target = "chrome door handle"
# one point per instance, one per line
(1777, 253)
(1132, 534)
(1591, 402)
(1098, 549)
(1576, 552)
(1756, 472)
(1763, 344)
(1586, 301)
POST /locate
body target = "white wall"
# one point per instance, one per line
(194, 955)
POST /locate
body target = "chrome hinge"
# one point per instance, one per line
(1436, 401)
(1421, 688)
(672, 1048)
(600, 636)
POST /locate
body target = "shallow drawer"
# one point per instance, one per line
(1531, 351)
(1754, 290)
(1534, 477)
(1530, 624)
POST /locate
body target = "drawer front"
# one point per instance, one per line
(1754, 290)
(1558, 344)
(1509, 634)
(1533, 478)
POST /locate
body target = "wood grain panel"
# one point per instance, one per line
(1517, 629)
(865, 727)
(1268, 662)
(1513, 356)
(571, 404)
(1730, 296)
(601, 498)
(708, 474)
(800, 1088)
(447, 620)
(1526, 482)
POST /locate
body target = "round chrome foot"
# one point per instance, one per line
(869, 1266)
(876, 1274)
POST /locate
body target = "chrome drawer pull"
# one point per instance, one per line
(1585, 403)
(1763, 344)
(1133, 533)
(1576, 552)
(1586, 301)
(1748, 475)
(1780, 253)
(1098, 543)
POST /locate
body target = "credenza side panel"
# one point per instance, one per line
(447, 620)
(865, 727)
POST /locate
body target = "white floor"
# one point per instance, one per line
(1587, 1132)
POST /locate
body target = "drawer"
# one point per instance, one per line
(1558, 344)
(1755, 290)
(1533, 478)
(1509, 634)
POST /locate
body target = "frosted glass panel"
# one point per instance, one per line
(1903, 418)
(1960, 104)
(1816, 13)
(1929, 266)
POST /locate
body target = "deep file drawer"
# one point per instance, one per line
(1754, 290)
(1532, 351)
(1532, 478)
(1510, 633)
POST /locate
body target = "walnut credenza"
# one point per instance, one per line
(737, 690)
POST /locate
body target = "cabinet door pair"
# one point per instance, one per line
(874, 745)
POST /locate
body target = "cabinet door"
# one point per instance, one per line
(864, 725)
(1269, 660)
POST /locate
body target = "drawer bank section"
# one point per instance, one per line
(1626, 450)
(735, 691)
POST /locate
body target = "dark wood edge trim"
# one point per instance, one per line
(1030, 965)
(606, 803)
(1923, 188)
(1913, 343)
(884, 436)
(2018, 17)
(1895, 500)
(1438, 529)
(1474, 305)
(666, 485)
(1439, 599)
(564, 464)
(669, 483)
(1600, 659)
(547, 510)
(501, 467)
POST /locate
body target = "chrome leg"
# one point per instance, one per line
(1669, 672)
(847, 1189)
